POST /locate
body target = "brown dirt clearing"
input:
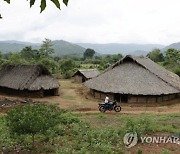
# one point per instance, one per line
(76, 97)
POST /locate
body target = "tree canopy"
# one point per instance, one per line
(43, 3)
(89, 53)
(155, 55)
(46, 48)
(170, 59)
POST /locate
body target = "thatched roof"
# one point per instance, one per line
(27, 77)
(137, 76)
(88, 73)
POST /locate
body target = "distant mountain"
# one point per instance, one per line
(15, 46)
(66, 48)
(20, 42)
(174, 46)
(61, 47)
(114, 48)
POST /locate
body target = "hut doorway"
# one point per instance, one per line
(117, 97)
(83, 80)
(50, 92)
(121, 97)
(124, 98)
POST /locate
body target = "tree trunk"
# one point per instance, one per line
(33, 145)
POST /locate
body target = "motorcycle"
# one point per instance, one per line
(103, 107)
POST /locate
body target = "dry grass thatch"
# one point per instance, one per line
(27, 77)
(137, 76)
(87, 73)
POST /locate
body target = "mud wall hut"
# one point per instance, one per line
(28, 80)
(135, 79)
(81, 76)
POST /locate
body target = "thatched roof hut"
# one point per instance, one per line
(85, 74)
(134, 76)
(28, 79)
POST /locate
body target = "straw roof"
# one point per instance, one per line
(137, 76)
(88, 73)
(27, 77)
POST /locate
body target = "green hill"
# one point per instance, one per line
(66, 48)
(61, 47)
(15, 46)
(174, 46)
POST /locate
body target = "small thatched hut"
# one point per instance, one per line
(81, 76)
(135, 79)
(28, 80)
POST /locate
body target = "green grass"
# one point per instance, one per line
(98, 133)
(168, 123)
(69, 97)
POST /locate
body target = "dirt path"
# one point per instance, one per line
(76, 97)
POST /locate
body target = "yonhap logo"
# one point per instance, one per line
(130, 139)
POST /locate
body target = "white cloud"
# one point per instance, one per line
(102, 21)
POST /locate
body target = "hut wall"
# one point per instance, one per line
(111, 97)
(172, 96)
(78, 78)
(97, 94)
(92, 92)
(165, 98)
(132, 99)
(151, 99)
(101, 95)
(136, 98)
(25, 93)
(159, 98)
(141, 99)
(56, 92)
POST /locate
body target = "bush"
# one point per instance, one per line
(5, 140)
(32, 119)
(67, 66)
(141, 127)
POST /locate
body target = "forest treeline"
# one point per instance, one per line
(65, 66)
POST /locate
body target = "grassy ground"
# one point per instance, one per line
(105, 134)
(160, 125)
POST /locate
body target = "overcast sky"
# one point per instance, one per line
(93, 21)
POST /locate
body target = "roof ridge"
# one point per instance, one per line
(153, 72)
(158, 76)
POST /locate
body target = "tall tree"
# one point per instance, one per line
(89, 53)
(46, 48)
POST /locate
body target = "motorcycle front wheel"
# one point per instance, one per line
(102, 109)
(117, 108)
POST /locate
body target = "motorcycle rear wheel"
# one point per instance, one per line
(102, 109)
(117, 108)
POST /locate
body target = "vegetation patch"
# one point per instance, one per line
(69, 97)
(60, 131)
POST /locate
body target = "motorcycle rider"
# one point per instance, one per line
(106, 99)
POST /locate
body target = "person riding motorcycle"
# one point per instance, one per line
(107, 105)
(106, 99)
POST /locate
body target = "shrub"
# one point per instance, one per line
(32, 119)
(141, 127)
